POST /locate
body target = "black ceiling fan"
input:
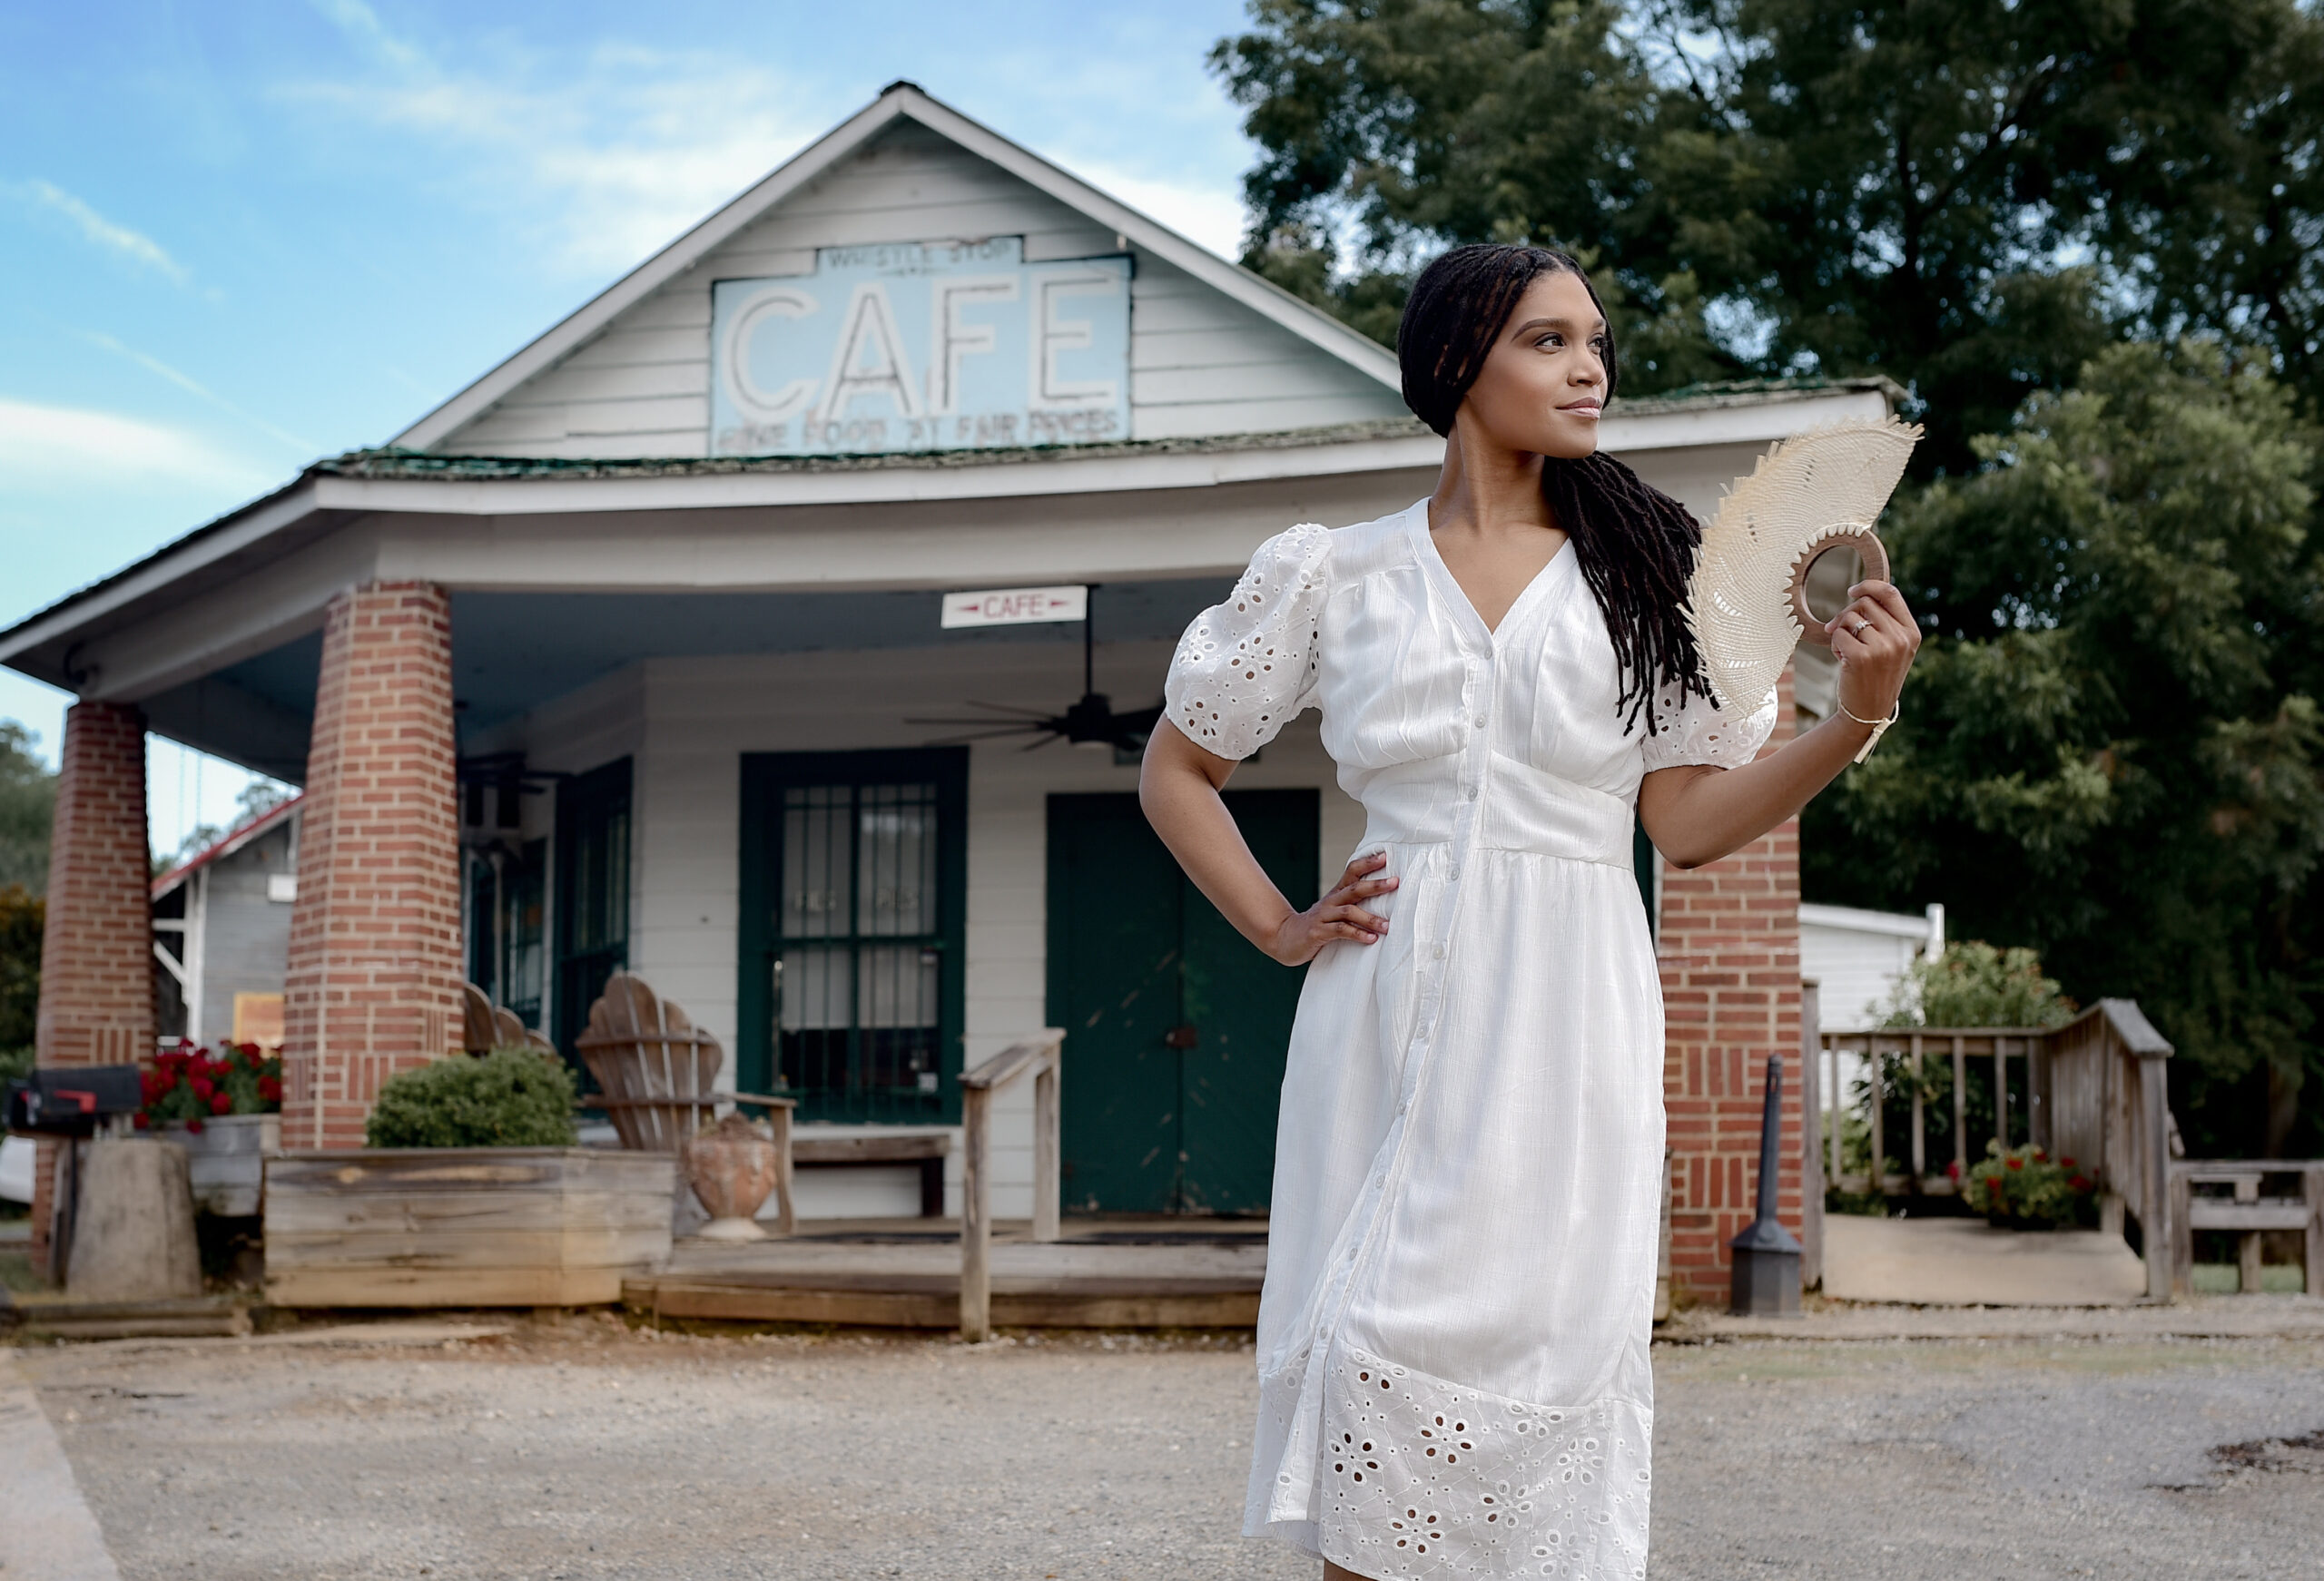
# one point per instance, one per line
(1090, 722)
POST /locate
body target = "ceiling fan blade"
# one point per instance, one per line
(1006, 708)
(1047, 737)
(974, 736)
(996, 724)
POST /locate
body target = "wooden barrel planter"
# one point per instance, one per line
(226, 1160)
(463, 1227)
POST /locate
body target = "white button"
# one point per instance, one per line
(1472, 792)
(1452, 875)
(1440, 952)
(1481, 721)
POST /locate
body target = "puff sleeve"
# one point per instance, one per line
(1693, 730)
(1247, 667)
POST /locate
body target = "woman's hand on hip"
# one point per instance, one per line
(1338, 916)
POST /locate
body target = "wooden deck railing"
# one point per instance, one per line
(2095, 1091)
(1037, 1057)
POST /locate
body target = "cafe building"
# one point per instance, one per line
(782, 626)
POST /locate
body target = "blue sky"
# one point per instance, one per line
(237, 236)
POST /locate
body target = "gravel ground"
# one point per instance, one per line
(578, 1449)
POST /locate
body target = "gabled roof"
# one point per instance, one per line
(228, 844)
(902, 100)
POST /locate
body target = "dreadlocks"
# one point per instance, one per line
(1636, 544)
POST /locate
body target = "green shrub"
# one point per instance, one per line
(511, 1097)
(1973, 983)
(2024, 1188)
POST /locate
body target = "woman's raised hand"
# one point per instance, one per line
(1875, 638)
(1339, 915)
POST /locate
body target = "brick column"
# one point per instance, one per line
(373, 984)
(1729, 948)
(96, 978)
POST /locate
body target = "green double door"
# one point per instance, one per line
(1176, 1027)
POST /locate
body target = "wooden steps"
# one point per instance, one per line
(59, 1317)
(1199, 1280)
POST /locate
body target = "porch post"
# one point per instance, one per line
(1729, 948)
(96, 980)
(374, 976)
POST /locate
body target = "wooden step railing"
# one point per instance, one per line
(2095, 1091)
(1037, 1057)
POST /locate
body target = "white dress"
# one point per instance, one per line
(1454, 1340)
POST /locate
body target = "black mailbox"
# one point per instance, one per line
(64, 1102)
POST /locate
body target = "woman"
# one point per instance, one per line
(1453, 1338)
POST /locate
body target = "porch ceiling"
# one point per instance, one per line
(513, 652)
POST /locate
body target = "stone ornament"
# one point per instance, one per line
(732, 1166)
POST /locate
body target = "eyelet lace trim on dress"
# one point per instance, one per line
(1423, 1477)
(1245, 667)
(1690, 730)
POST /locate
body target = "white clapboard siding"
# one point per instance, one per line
(687, 721)
(1201, 362)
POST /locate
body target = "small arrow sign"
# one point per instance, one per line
(1016, 606)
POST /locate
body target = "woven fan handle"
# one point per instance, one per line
(1865, 542)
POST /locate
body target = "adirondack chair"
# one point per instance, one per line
(485, 1026)
(657, 1074)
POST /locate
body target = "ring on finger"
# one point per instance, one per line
(1860, 627)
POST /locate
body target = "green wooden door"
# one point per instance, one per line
(1175, 1027)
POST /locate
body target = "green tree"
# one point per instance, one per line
(27, 806)
(2110, 751)
(22, 914)
(1971, 196)
(1408, 126)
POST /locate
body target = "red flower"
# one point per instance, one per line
(2065, 1163)
(203, 1088)
(2039, 1155)
(1993, 1184)
(269, 1088)
(2014, 1163)
(2078, 1183)
(150, 1085)
(1952, 1170)
(222, 1102)
(139, 1121)
(194, 1124)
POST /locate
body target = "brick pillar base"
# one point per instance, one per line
(1729, 948)
(374, 978)
(96, 977)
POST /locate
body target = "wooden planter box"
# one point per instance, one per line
(226, 1160)
(463, 1227)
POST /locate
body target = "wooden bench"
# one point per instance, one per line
(2246, 1214)
(928, 1150)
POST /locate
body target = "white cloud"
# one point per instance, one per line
(45, 449)
(605, 162)
(1211, 215)
(100, 232)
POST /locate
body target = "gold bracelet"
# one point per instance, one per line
(1879, 726)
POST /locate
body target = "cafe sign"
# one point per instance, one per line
(922, 345)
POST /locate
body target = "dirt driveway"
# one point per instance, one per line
(579, 1448)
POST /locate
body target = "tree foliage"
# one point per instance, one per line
(2110, 749)
(27, 806)
(1970, 196)
(21, 917)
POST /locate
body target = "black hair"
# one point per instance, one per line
(1636, 544)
